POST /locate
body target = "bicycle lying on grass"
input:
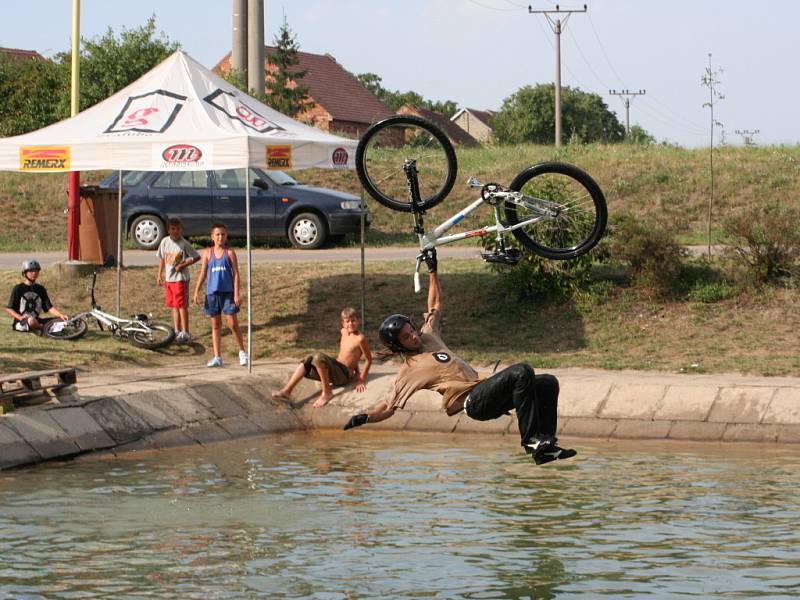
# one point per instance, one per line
(138, 330)
(553, 209)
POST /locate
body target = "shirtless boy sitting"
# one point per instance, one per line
(334, 371)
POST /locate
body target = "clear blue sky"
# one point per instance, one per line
(479, 52)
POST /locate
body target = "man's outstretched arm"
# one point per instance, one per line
(379, 412)
(434, 291)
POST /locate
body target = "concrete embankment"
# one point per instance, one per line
(150, 409)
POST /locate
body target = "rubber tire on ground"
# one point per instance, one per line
(589, 184)
(147, 231)
(141, 340)
(404, 205)
(73, 330)
(307, 231)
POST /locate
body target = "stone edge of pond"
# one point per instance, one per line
(159, 410)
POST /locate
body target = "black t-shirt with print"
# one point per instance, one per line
(29, 300)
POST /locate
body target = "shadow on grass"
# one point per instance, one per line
(480, 317)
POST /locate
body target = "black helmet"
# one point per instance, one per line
(31, 265)
(390, 329)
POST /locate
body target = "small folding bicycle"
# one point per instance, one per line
(553, 209)
(138, 330)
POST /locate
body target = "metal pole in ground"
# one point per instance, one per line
(363, 264)
(119, 240)
(249, 273)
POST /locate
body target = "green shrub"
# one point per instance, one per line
(765, 240)
(650, 250)
(711, 291)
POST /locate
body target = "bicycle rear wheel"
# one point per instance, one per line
(158, 336)
(569, 207)
(387, 144)
(70, 330)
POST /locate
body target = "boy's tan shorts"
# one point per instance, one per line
(339, 374)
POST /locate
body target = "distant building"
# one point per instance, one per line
(478, 123)
(456, 135)
(18, 55)
(342, 104)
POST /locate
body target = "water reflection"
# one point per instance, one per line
(334, 516)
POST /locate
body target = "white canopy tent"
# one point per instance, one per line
(178, 117)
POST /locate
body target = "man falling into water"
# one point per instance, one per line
(428, 364)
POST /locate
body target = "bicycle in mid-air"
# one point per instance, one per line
(138, 330)
(553, 209)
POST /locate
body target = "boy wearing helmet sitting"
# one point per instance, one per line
(29, 300)
(428, 364)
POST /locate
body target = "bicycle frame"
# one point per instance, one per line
(113, 323)
(437, 237)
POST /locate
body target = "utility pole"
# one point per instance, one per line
(747, 136)
(626, 96)
(557, 25)
(239, 45)
(255, 45)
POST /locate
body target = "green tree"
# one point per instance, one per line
(528, 115)
(36, 93)
(639, 135)
(31, 94)
(284, 92)
(395, 99)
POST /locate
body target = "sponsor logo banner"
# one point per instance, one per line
(153, 112)
(279, 157)
(182, 157)
(339, 157)
(237, 110)
(44, 158)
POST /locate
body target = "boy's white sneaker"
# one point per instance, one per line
(243, 358)
(215, 362)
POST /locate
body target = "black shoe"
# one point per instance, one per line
(553, 453)
(538, 445)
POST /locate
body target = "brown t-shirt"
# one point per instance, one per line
(435, 367)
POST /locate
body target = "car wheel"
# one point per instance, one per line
(307, 231)
(147, 231)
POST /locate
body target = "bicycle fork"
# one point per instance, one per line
(410, 169)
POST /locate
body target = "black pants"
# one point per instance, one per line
(533, 397)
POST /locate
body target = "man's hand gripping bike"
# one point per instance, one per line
(553, 209)
(138, 330)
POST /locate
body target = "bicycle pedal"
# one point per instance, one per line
(511, 257)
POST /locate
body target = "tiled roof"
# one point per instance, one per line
(17, 54)
(453, 131)
(484, 116)
(333, 88)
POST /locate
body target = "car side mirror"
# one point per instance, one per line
(260, 183)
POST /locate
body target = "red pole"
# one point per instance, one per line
(73, 215)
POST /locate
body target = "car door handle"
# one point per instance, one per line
(224, 197)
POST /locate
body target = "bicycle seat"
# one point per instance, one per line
(139, 317)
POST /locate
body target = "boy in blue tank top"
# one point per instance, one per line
(221, 270)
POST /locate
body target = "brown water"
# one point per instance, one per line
(365, 515)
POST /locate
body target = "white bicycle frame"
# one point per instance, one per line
(115, 324)
(437, 237)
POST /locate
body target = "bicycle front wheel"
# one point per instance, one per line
(566, 209)
(158, 336)
(66, 330)
(384, 148)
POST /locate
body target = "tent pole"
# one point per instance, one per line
(363, 267)
(119, 239)
(249, 273)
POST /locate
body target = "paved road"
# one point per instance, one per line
(142, 258)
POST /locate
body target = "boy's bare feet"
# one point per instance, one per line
(281, 395)
(322, 400)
